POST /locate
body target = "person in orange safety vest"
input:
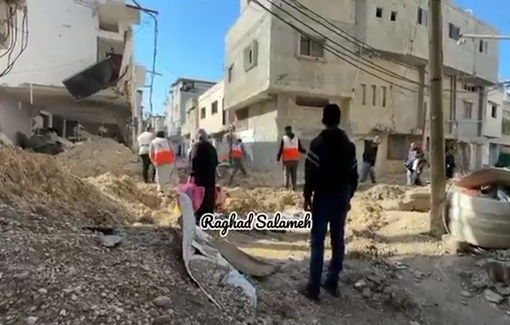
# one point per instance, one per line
(290, 148)
(238, 156)
(163, 158)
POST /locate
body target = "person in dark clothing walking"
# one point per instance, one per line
(204, 161)
(331, 178)
(290, 147)
(450, 163)
(369, 158)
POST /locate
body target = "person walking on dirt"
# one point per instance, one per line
(331, 178)
(450, 163)
(408, 165)
(290, 147)
(163, 157)
(238, 157)
(369, 158)
(144, 141)
(204, 161)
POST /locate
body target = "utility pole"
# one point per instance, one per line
(437, 145)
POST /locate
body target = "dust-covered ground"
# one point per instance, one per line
(57, 268)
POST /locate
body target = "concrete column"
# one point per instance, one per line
(421, 114)
(481, 111)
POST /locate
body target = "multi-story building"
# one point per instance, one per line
(496, 126)
(211, 104)
(83, 48)
(190, 126)
(182, 90)
(280, 75)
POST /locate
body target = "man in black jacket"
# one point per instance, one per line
(369, 158)
(331, 177)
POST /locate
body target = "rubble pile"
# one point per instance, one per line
(363, 284)
(243, 200)
(385, 192)
(142, 200)
(70, 278)
(38, 183)
(491, 280)
(99, 157)
(256, 179)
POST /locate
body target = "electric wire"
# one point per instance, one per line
(154, 54)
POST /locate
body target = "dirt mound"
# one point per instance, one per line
(256, 179)
(142, 200)
(242, 200)
(37, 182)
(99, 157)
(385, 192)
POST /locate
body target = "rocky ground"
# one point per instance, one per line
(57, 265)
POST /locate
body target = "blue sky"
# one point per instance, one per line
(192, 38)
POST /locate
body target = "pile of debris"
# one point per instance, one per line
(95, 158)
(36, 182)
(271, 200)
(142, 200)
(415, 199)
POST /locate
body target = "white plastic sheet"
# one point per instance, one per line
(194, 238)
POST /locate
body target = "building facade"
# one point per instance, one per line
(181, 91)
(496, 125)
(278, 75)
(76, 68)
(211, 104)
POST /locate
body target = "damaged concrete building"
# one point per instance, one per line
(77, 69)
(282, 73)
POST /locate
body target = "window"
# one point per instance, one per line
(423, 17)
(230, 73)
(242, 114)
(374, 95)
(453, 32)
(202, 113)
(486, 47)
(468, 110)
(384, 94)
(480, 46)
(378, 12)
(494, 111)
(311, 48)
(363, 94)
(469, 87)
(214, 107)
(393, 16)
(241, 119)
(250, 56)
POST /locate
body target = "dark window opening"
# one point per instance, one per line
(311, 101)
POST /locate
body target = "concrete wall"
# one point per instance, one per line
(63, 41)
(261, 135)
(494, 113)
(253, 28)
(15, 117)
(212, 122)
(397, 36)
(291, 71)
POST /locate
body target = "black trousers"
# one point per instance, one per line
(146, 168)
